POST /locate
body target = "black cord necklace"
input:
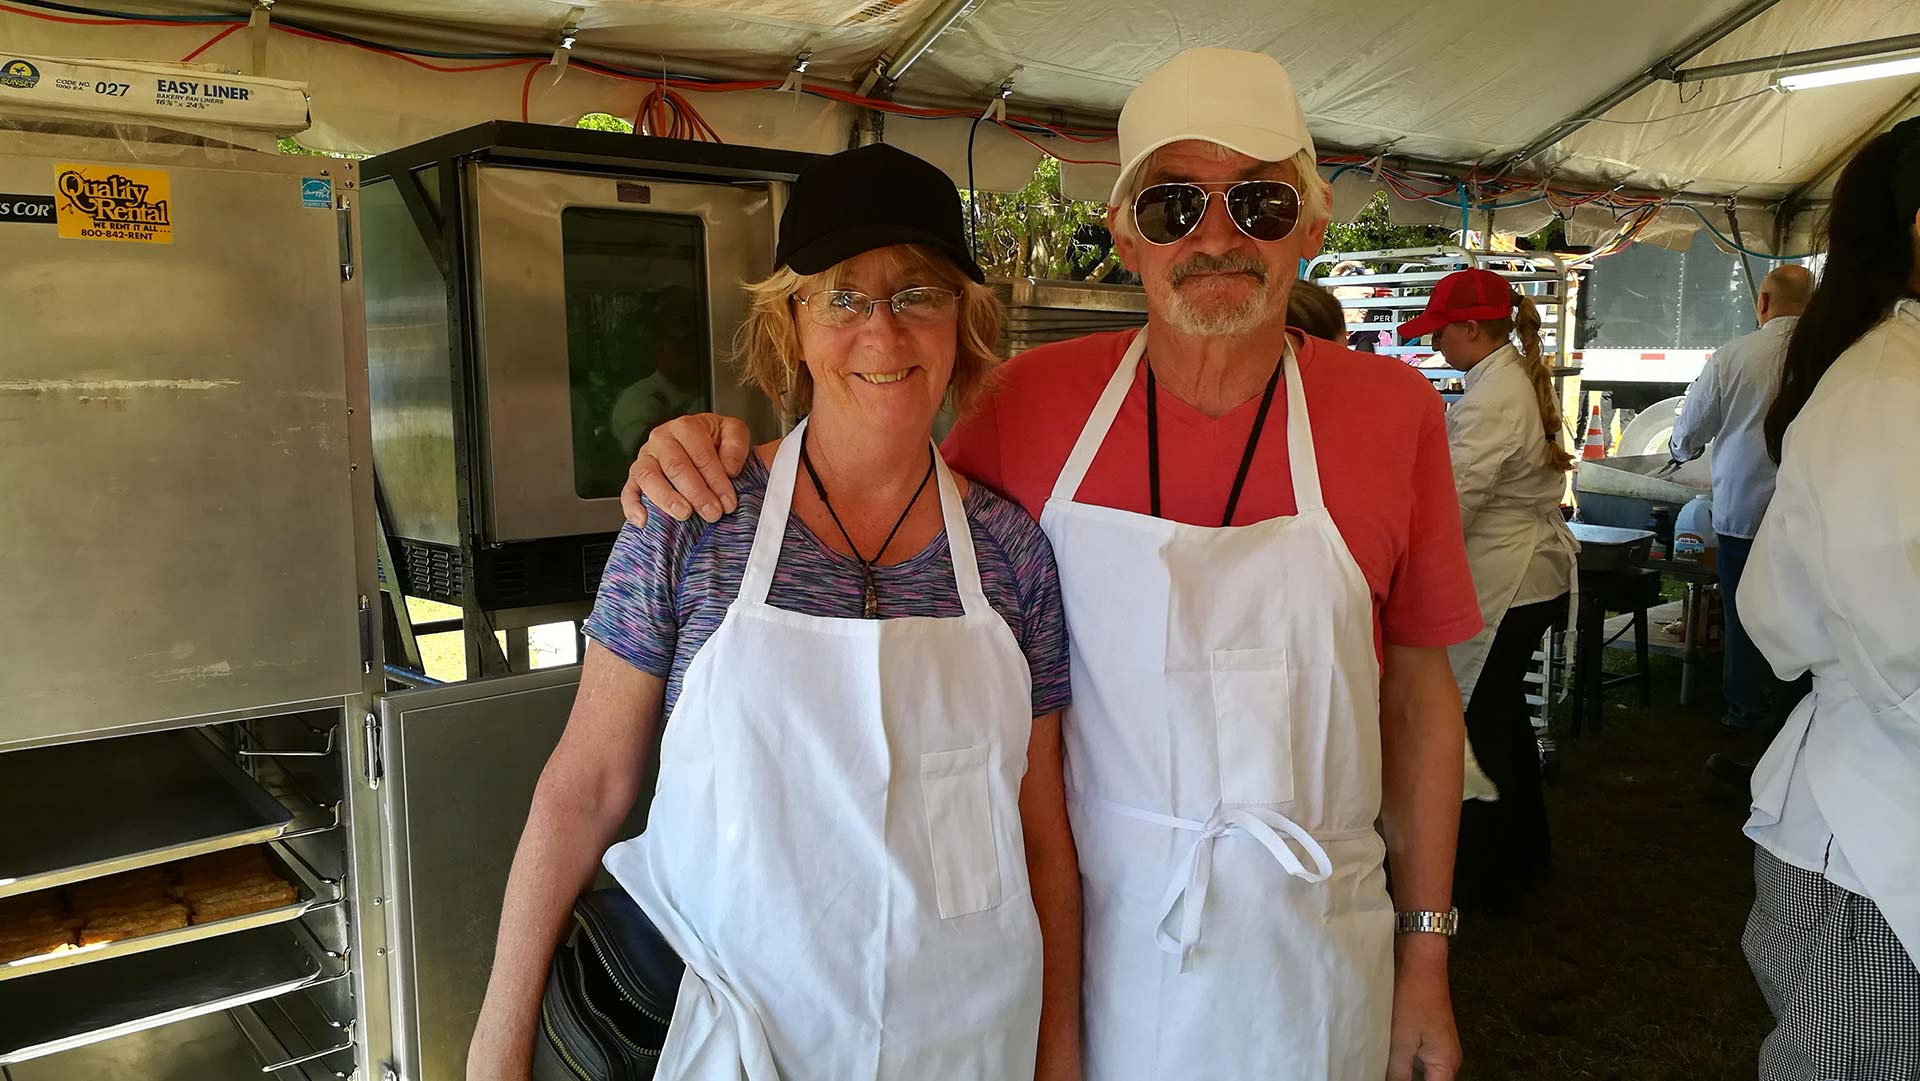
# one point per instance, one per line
(1246, 456)
(869, 595)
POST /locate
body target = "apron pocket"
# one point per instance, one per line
(966, 865)
(1250, 715)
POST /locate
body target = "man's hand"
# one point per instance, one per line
(1425, 1043)
(688, 463)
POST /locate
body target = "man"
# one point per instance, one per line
(1725, 407)
(1259, 548)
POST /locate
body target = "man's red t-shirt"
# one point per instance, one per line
(1379, 432)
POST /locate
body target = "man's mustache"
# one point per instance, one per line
(1230, 262)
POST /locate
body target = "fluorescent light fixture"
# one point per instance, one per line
(1849, 73)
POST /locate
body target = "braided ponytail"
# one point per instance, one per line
(1524, 324)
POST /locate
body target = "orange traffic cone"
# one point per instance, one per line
(1596, 445)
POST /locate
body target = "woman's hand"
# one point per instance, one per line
(1425, 1043)
(584, 794)
(688, 463)
(1053, 871)
(495, 1054)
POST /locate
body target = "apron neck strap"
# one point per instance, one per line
(1301, 459)
(1094, 433)
(1300, 453)
(777, 507)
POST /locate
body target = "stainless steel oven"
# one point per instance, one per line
(604, 306)
(538, 299)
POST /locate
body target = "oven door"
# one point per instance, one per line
(605, 305)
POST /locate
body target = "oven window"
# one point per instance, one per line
(638, 345)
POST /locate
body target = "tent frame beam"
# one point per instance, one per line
(944, 18)
(1796, 200)
(1804, 59)
(1660, 69)
(411, 32)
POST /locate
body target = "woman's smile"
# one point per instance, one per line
(887, 378)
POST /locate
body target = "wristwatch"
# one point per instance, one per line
(1434, 923)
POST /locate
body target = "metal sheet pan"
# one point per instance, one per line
(79, 1006)
(313, 893)
(76, 811)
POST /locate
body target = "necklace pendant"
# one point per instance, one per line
(869, 601)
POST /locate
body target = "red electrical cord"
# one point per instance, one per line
(664, 107)
(212, 41)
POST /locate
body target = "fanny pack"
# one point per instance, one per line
(610, 993)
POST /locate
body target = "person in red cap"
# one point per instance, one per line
(1509, 469)
(1261, 560)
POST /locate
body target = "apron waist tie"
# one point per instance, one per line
(1187, 892)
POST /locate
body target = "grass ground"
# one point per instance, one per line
(1625, 965)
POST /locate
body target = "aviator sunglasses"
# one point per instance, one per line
(1265, 210)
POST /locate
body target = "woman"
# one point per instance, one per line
(1313, 310)
(1510, 472)
(862, 670)
(1833, 587)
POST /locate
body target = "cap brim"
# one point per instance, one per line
(1427, 322)
(1419, 326)
(824, 253)
(1256, 143)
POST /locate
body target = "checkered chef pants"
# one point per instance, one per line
(1845, 996)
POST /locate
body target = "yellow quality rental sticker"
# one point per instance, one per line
(113, 202)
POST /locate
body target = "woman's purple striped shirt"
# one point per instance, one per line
(667, 586)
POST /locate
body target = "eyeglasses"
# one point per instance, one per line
(1266, 210)
(839, 308)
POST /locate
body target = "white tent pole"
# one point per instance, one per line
(1807, 58)
(1795, 201)
(397, 30)
(1694, 46)
(944, 18)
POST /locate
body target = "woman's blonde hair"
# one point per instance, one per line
(1524, 325)
(767, 348)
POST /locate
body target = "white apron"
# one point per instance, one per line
(1223, 775)
(835, 845)
(1516, 523)
(1500, 547)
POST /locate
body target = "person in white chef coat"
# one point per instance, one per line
(858, 843)
(1510, 470)
(1833, 588)
(1260, 553)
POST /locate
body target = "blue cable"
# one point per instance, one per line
(142, 16)
(1698, 213)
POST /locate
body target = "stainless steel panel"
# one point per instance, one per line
(81, 810)
(1083, 296)
(1040, 311)
(59, 1011)
(177, 530)
(412, 379)
(460, 773)
(527, 450)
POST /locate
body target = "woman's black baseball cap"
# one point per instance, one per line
(871, 197)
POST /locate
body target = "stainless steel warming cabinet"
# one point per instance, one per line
(537, 299)
(190, 872)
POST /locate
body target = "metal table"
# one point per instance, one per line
(1699, 578)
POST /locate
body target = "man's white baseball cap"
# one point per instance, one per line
(1241, 100)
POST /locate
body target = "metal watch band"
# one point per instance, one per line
(1433, 923)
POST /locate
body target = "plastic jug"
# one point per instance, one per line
(1693, 534)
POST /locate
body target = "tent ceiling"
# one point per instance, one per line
(1466, 83)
